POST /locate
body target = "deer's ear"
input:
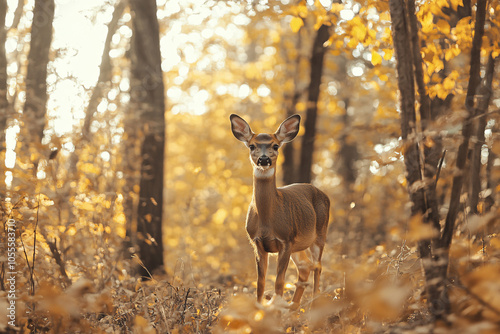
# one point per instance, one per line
(289, 129)
(241, 129)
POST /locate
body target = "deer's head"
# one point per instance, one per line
(264, 146)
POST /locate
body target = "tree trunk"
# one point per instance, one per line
(480, 126)
(402, 46)
(35, 107)
(431, 152)
(291, 99)
(307, 149)
(405, 43)
(348, 153)
(147, 97)
(474, 81)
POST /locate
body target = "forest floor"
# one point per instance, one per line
(350, 302)
(375, 290)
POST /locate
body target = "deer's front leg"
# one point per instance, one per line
(261, 259)
(283, 260)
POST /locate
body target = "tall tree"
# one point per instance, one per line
(35, 107)
(467, 129)
(147, 98)
(307, 149)
(434, 253)
(291, 97)
(480, 126)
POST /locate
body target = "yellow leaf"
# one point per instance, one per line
(337, 7)
(320, 20)
(90, 168)
(443, 26)
(359, 31)
(427, 25)
(296, 23)
(352, 43)
(456, 3)
(441, 92)
(45, 200)
(448, 84)
(302, 9)
(376, 58)
(385, 17)
(442, 3)
(83, 205)
(450, 80)
(388, 53)
(435, 9)
(452, 53)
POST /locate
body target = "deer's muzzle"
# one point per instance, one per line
(264, 161)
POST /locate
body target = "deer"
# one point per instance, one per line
(291, 221)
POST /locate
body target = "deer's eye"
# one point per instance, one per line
(276, 147)
(251, 147)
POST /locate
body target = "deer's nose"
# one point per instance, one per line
(264, 161)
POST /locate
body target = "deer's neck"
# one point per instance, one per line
(264, 192)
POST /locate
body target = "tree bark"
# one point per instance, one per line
(480, 125)
(474, 81)
(35, 107)
(348, 153)
(147, 97)
(431, 152)
(404, 66)
(422, 196)
(291, 100)
(307, 149)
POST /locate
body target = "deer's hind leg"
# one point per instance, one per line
(316, 251)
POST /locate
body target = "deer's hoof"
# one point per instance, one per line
(278, 302)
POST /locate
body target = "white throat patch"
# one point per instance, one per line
(263, 173)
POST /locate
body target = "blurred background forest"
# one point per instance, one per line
(117, 162)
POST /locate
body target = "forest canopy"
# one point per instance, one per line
(124, 195)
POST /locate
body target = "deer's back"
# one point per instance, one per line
(302, 195)
(298, 192)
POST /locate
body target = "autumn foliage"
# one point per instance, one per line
(77, 196)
